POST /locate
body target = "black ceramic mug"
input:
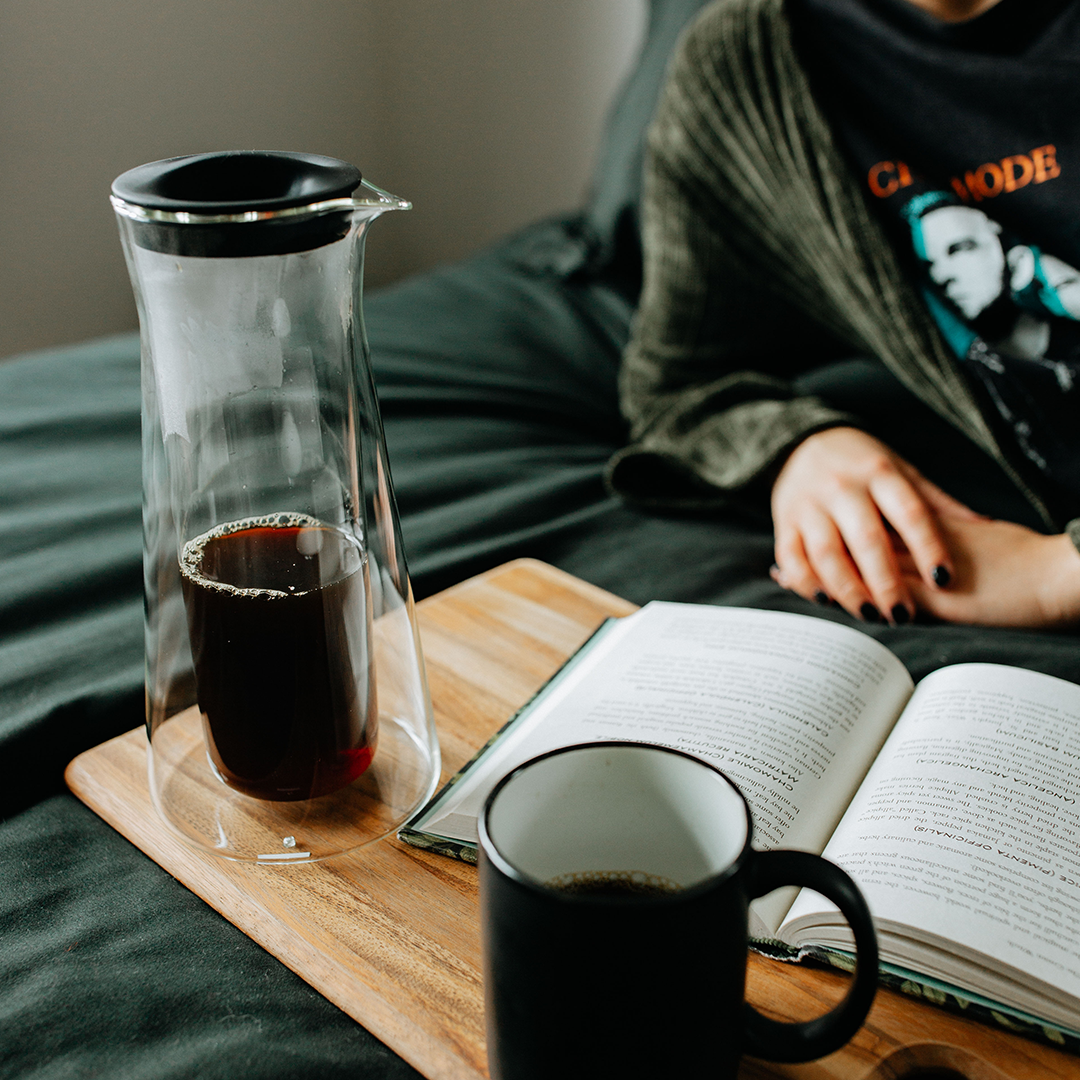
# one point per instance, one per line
(615, 883)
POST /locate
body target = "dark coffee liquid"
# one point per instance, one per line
(281, 638)
(604, 884)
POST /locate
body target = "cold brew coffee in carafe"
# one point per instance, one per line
(287, 709)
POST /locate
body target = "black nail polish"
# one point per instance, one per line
(821, 598)
(900, 615)
(870, 613)
(941, 576)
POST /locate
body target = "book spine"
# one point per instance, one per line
(460, 849)
(440, 845)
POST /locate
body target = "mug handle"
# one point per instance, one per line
(776, 1041)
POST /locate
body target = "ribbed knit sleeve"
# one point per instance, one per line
(705, 380)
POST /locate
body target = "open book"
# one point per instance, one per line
(955, 806)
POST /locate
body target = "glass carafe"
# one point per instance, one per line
(286, 704)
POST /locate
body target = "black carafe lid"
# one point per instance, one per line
(230, 186)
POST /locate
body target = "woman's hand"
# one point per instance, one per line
(1005, 575)
(844, 508)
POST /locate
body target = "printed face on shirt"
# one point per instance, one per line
(963, 248)
(1065, 281)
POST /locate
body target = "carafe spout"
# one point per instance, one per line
(370, 197)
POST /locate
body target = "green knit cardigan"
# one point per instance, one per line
(758, 243)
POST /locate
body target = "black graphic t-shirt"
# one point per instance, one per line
(967, 138)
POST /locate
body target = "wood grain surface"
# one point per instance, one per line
(390, 933)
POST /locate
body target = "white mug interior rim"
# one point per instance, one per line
(615, 808)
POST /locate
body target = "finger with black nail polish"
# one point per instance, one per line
(870, 613)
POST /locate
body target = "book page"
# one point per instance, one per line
(967, 828)
(791, 707)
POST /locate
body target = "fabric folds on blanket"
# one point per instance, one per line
(71, 667)
(110, 968)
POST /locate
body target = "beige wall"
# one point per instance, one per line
(484, 113)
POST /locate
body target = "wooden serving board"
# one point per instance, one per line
(390, 933)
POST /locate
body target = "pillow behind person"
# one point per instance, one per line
(612, 210)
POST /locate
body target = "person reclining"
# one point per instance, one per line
(888, 180)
